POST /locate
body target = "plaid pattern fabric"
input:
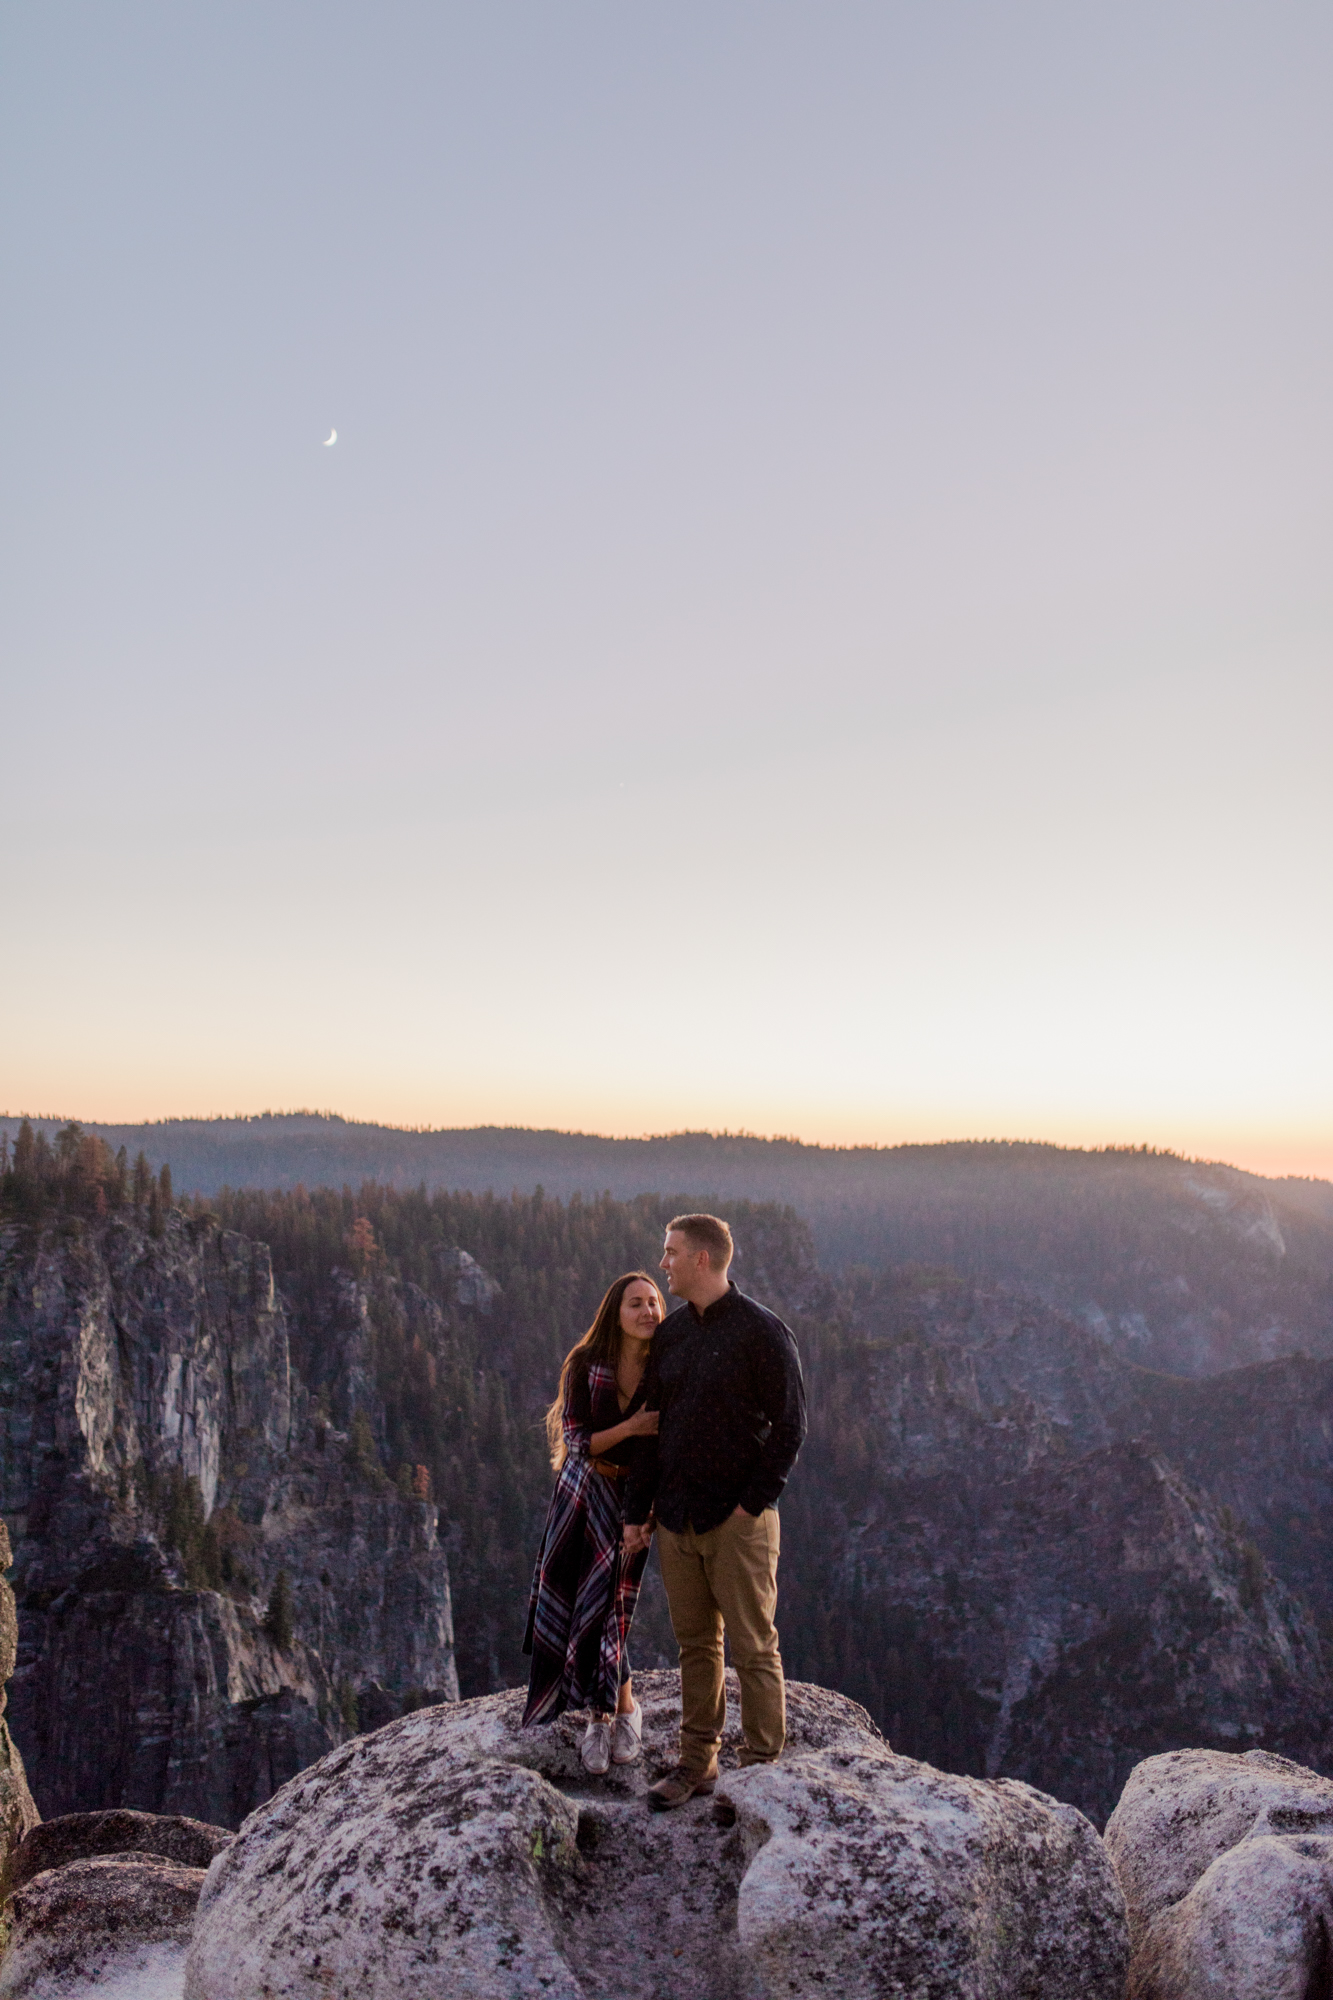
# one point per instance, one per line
(583, 1590)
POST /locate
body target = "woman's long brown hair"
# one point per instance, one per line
(600, 1343)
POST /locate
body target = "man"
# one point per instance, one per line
(725, 1375)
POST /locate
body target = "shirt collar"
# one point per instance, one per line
(717, 1305)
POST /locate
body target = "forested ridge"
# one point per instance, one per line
(75, 1173)
(1179, 1263)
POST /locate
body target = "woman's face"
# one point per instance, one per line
(640, 1310)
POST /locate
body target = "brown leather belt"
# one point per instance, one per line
(609, 1469)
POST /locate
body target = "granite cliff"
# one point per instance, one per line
(1045, 1562)
(216, 1581)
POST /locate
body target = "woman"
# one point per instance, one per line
(584, 1590)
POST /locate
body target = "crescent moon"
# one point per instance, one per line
(332, 438)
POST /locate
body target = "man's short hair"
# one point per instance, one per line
(706, 1232)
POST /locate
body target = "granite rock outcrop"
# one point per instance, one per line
(119, 1923)
(18, 1812)
(104, 1903)
(1227, 1867)
(211, 1571)
(453, 1852)
(187, 1843)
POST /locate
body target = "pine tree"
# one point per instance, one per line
(278, 1618)
(185, 1529)
(362, 1453)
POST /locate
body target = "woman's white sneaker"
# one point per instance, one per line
(627, 1736)
(595, 1749)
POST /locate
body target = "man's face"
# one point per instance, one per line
(682, 1263)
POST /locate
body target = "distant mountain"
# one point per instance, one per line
(1177, 1264)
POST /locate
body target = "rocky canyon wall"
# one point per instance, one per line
(1044, 1562)
(216, 1581)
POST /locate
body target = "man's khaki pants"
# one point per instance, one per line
(728, 1575)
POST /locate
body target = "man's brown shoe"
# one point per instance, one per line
(676, 1787)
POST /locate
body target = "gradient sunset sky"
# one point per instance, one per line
(819, 618)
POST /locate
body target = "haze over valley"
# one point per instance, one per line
(1067, 1499)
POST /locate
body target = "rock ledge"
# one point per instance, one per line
(453, 1853)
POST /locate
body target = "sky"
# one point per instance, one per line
(818, 618)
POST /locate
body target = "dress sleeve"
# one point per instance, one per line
(576, 1418)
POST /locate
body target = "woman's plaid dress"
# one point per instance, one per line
(583, 1590)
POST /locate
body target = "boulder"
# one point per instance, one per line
(1178, 1813)
(119, 1922)
(190, 1843)
(452, 1852)
(1227, 1867)
(1257, 1925)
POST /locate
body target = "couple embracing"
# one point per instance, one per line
(687, 1427)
